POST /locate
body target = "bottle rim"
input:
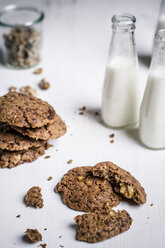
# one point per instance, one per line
(123, 20)
(9, 8)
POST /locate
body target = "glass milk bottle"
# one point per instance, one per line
(161, 19)
(120, 98)
(152, 113)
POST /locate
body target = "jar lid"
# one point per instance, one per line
(25, 16)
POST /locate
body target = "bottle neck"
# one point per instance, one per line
(123, 41)
(158, 58)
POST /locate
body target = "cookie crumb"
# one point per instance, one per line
(43, 245)
(62, 246)
(46, 157)
(44, 85)
(33, 235)
(38, 71)
(83, 108)
(80, 113)
(111, 141)
(45, 229)
(96, 113)
(57, 150)
(112, 135)
(12, 88)
(29, 91)
(60, 237)
(50, 178)
(148, 218)
(34, 197)
(70, 161)
(151, 204)
(18, 216)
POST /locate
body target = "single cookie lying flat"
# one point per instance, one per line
(13, 141)
(33, 197)
(95, 227)
(83, 192)
(122, 181)
(33, 235)
(49, 131)
(12, 159)
(20, 110)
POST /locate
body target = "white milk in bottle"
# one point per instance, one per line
(120, 95)
(152, 113)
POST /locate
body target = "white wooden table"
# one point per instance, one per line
(76, 42)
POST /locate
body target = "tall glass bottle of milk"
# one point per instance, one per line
(120, 98)
(152, 112)
(161, 19)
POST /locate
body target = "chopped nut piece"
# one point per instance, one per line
(50, 178)
(18, 216)
(111, 141)
(34, 197)
(127, 191)
(12, 88)
(151, 204)
(80, 113)
(70, 161)
(46, 157)
(44, 85)
(38, 71)
(80, 178)
(112, 135)
(28, 90)
(33, 235)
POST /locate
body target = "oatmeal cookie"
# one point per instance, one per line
(20, 110)
(12, 159)
(13, 141)
(95, 227)
(122, 181)
(81, 191)
(49, 131)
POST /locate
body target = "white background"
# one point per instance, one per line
(75, 49)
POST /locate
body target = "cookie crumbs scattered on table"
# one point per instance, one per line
(50, 178)
(112, 135)
(43, 245)
(151, 204)
(46, 157)
(44, 85)
(33, 235)
(80, 113)
(62, 246)
(34, 197)
(38, 71)
(28, 90)
(96, 113)
(45, 229)
(111, 141)
(70, 161)
(60, 237)
(83, 108)
(18, 216)
(12, 88)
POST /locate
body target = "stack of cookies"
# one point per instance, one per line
(26, 125)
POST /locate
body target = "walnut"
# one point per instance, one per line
(126, 190)
(28, 90)
(80, 178)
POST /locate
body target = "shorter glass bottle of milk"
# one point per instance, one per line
(152, 112)
(120, 95)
